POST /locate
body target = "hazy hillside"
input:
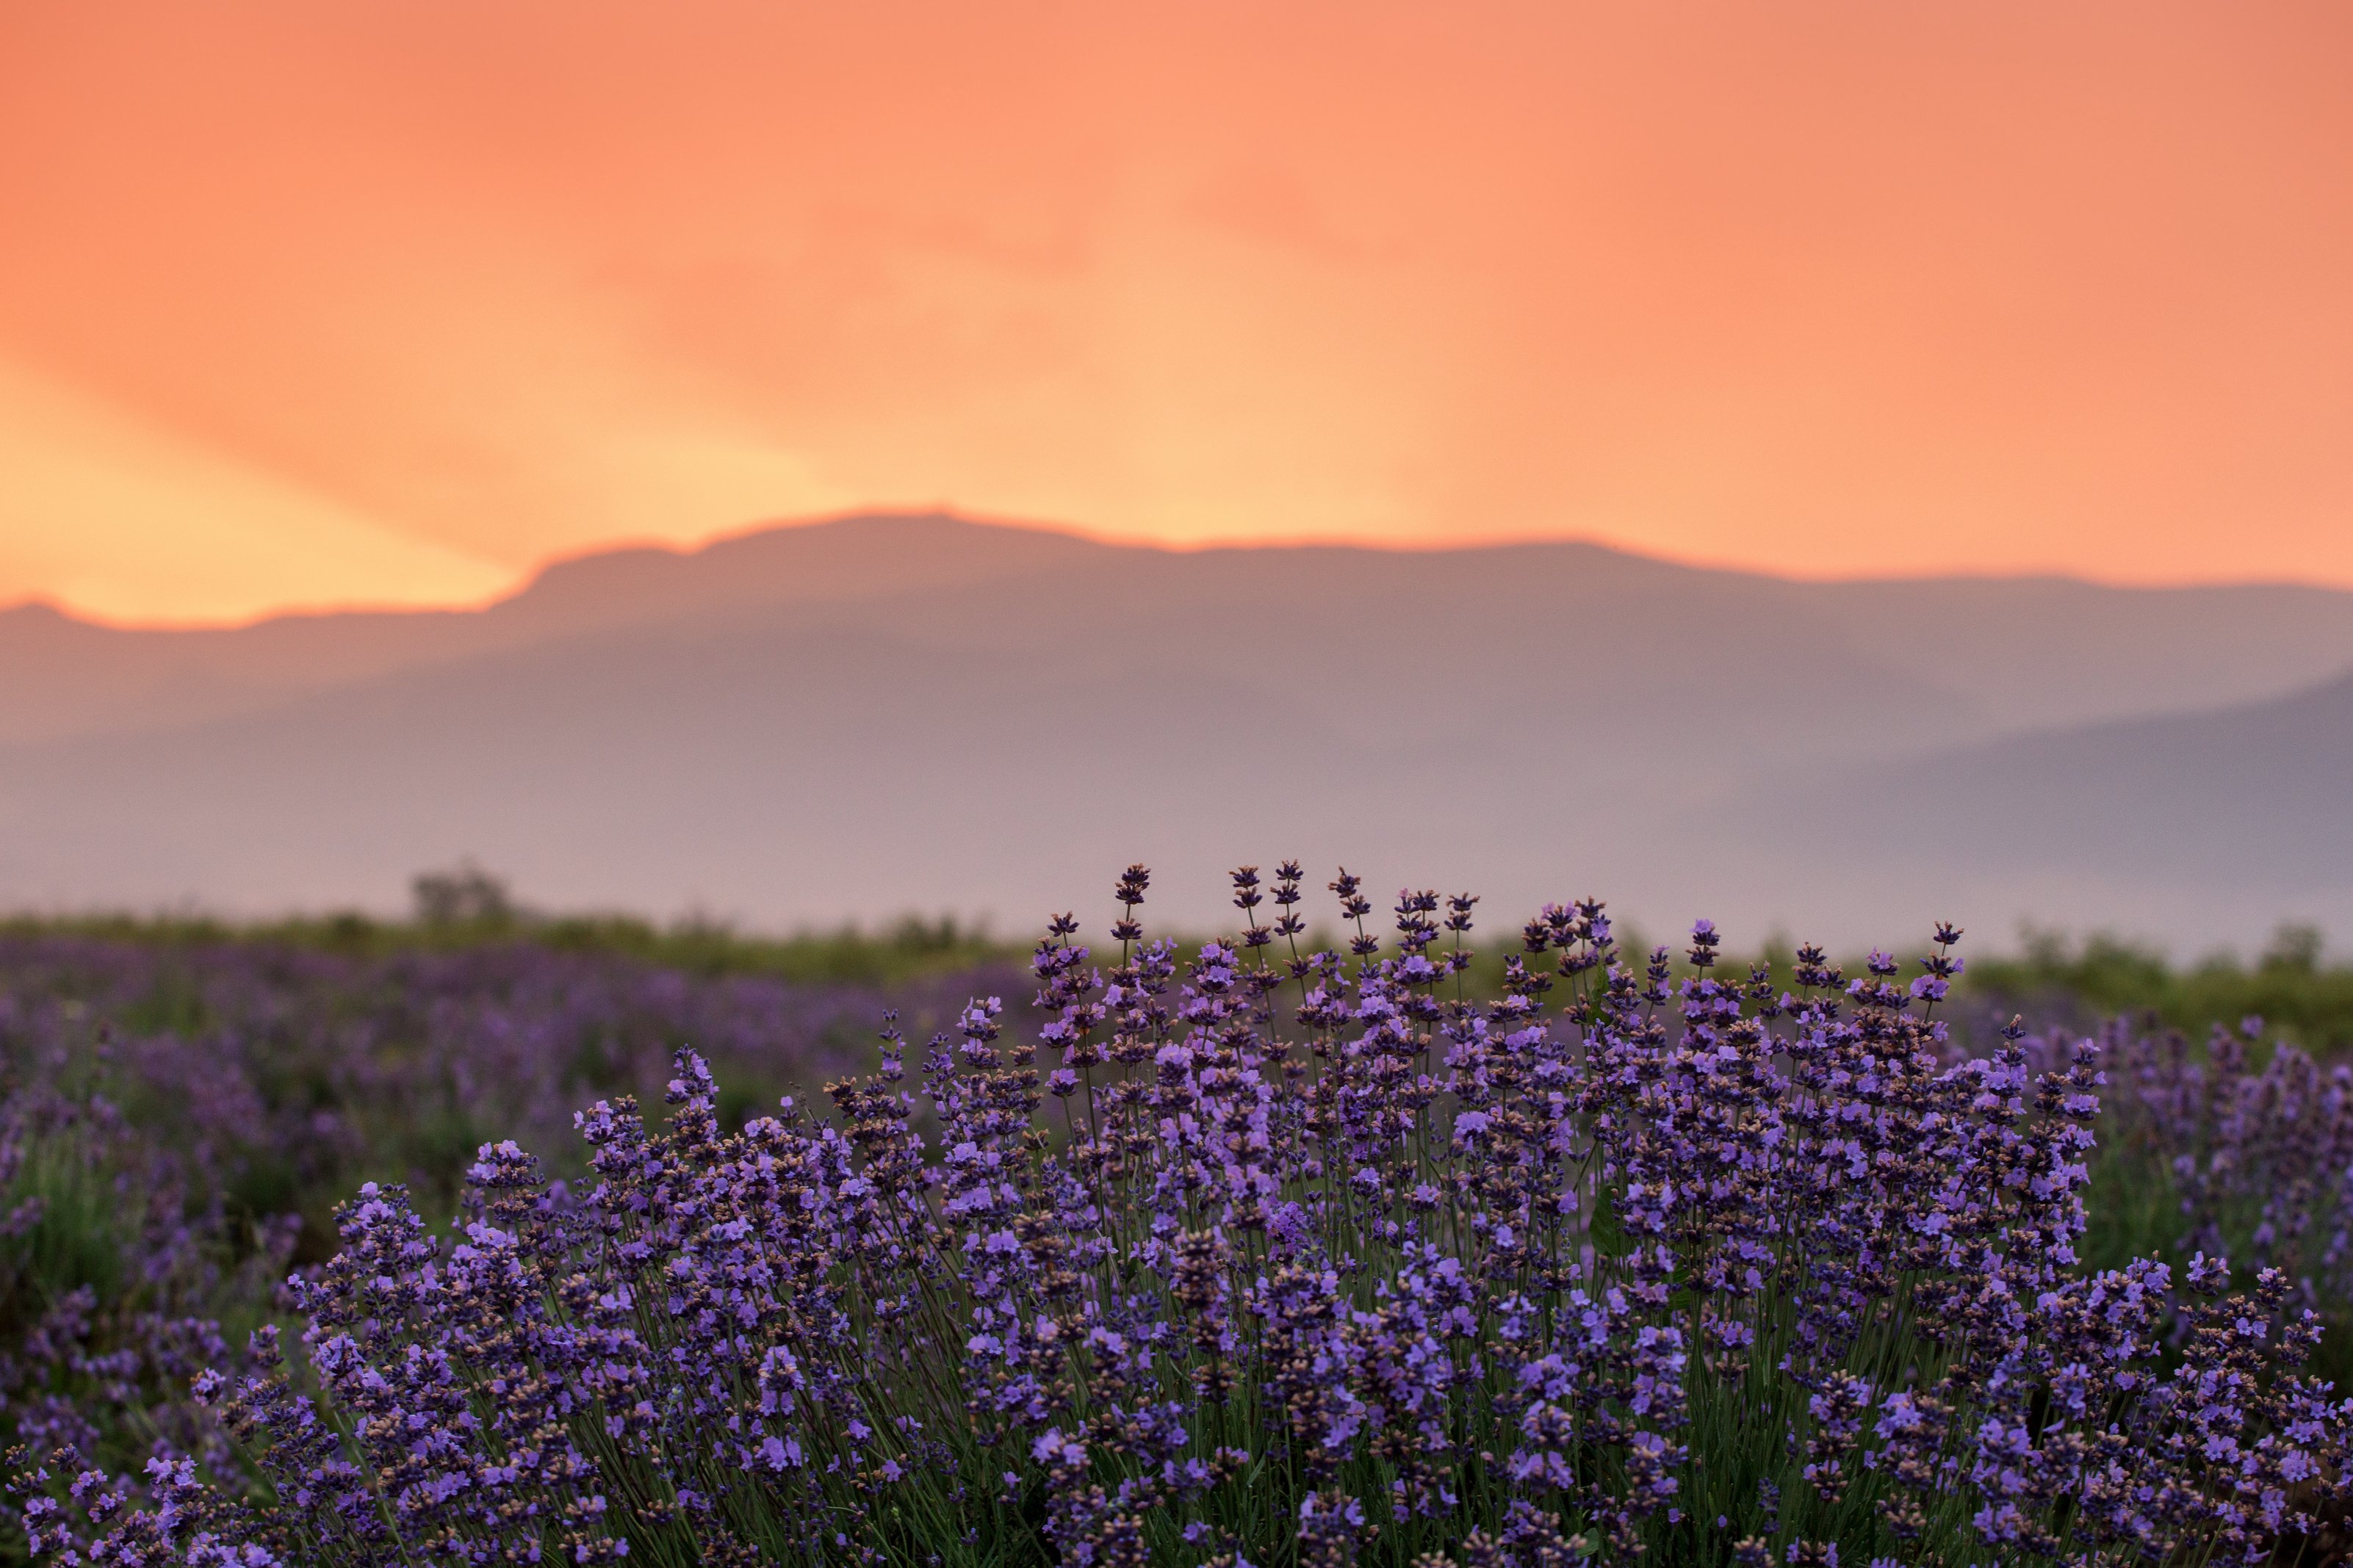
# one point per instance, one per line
(87, 679)
(2005, 653)
(2247, 810)
(876, 714)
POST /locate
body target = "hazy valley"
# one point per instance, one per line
(855, 718)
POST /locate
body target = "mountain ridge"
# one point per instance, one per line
(871, 715)
(96, 678)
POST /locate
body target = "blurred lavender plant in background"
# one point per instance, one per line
(1251, 1253)
(178, 1121)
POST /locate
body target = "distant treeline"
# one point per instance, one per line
(2299, 995)
(908, 949)
(2053, 980)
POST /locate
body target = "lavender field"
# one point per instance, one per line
(1568, 550)
(1449, 1239)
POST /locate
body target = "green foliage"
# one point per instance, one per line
(76, 1240)
(910, 949)
(2298, 996)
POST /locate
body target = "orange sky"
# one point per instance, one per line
(308, 303)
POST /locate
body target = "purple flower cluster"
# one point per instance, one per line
(272, 1071)
(109, 1274)
(2255, 1162)
(1257, 1255)
(177, 1121)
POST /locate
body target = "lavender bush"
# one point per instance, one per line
(2208, 1152)
(272, 1080)
(1270, 1255)
(177, 1121)
(107, 1292)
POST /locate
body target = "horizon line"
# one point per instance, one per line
(526, 579)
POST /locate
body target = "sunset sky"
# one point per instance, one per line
(356, 302)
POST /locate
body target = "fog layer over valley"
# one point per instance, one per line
(859, 718)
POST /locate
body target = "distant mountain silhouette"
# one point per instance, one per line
(2249, 807)
(87, 679)
(880, 713)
